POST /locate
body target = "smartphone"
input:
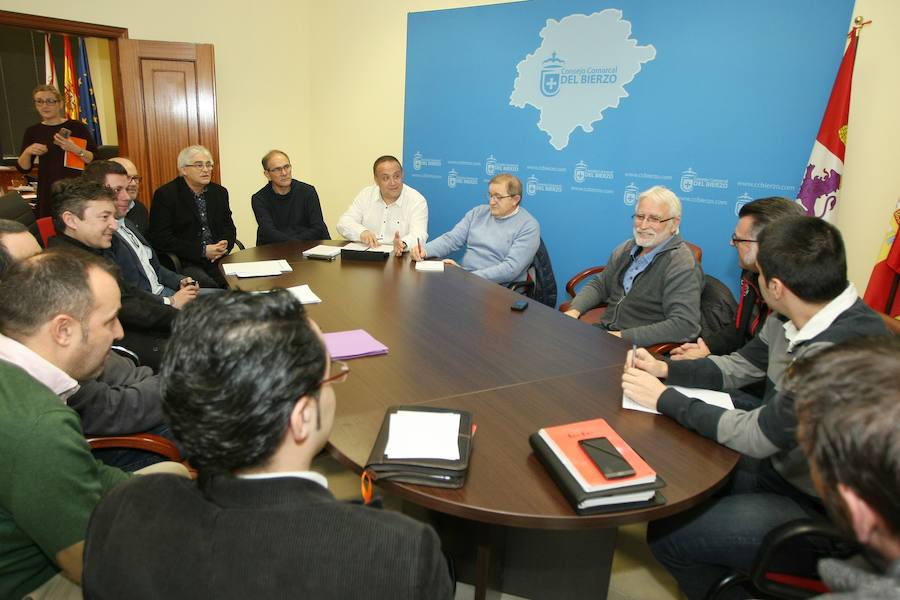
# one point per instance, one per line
(603, 454)
(65, 132)
(519, 305)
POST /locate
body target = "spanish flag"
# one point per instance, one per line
(70, 91)
(882, 291)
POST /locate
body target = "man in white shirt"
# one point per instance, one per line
(387, 210)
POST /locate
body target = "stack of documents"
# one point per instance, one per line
(430, 265)
(260, 268)
(303, 293)
(358, 247)
(322, 252)
(352, 344)
(581, 482)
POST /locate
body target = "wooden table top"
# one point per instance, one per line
(454, 342)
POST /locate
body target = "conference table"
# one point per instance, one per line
(454, 342)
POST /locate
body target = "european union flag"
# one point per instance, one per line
(87, 102)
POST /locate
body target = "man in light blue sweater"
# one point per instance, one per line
(500, 237)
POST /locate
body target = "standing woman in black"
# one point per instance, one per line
(50, 141)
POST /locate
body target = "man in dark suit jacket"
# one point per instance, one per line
(137, 212)
(84, 214)
(190, 217)
(140, 267)
(251, 415)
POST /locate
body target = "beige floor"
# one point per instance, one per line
(635, 574)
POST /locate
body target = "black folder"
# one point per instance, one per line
(574, 493)
(422, 471)
(363, 255)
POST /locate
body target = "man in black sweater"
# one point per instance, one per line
(258, 523)
(286, 210)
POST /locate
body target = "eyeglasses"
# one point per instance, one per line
(737, 240)
(134, 178)
(281, 169)
(652, 219)
(343, 371)
(201, 165)
(47, 101)
(498, 197)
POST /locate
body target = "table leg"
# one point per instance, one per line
(530, 563)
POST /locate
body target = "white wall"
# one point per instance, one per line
(324, 81)
(871, 183)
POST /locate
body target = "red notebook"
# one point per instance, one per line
(563, 441)
(73, 161)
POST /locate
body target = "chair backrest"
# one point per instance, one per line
(15, 208)
(696, 251)
(544, 280)
(717, 307)
(46, 229)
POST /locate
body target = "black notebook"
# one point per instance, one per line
(585, 503)
(422, 471)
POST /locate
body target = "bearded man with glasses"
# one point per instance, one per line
(190, 217)
(651, 283)
(286, 210)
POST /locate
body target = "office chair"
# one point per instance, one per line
(540, 284)
(593, 316)
(785, 566)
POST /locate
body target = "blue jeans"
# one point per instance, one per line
(723, 534)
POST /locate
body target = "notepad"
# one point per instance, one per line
(713, 397)
(322, 251)
(430, 265)
(353, 344)
(261, 268)
(423, 435)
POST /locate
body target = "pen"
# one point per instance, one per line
(419, 246)
(633, 355)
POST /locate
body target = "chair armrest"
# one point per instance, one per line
(148, 442)
(522, 287)
(662, 348)
(579, 277)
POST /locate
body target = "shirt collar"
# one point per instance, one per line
(59, 382)
(510, 215)
(397, 202)
(311, 475)
(822, 320)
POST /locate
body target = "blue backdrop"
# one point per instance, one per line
(591, 102)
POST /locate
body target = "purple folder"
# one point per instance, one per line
(352, 344)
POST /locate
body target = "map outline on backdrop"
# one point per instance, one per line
(591, 102)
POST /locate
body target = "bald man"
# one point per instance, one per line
(137, 212)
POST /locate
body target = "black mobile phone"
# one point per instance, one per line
(519, 305)
(65, 132)
(603, 454)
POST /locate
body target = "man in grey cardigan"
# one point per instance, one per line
(652, 283)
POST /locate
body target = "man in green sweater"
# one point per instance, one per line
(58, 321)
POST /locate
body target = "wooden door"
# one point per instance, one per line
(168, 103)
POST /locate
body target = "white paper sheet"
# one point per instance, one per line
(261, 268)
(363, 248)
(430, 265)
(416, 434)
(720, 399)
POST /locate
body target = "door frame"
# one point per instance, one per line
(110, 33)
